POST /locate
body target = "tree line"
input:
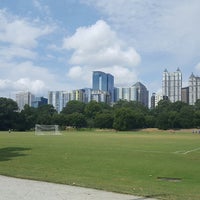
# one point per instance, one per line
(122, 116)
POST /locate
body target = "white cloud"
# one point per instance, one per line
(26, 84)
(19, 39)
(152, 26)
(21, 32)
(26, 76)
(98, 47)
(123, 76)
(75, 72)
(41, 7)
(10, 52)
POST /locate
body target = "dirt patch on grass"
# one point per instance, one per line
(170, 179)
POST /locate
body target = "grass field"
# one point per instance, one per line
(162, 165)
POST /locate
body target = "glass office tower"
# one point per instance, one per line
(104, 82)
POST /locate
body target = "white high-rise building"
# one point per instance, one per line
(59, 99)
(172, 84)
(194, 89)
(137, 92)
(24, 98)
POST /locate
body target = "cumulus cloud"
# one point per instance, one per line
(11, 52)
(25, 76)
(26, 84)
(42, 8)
(75, 72)
(123, 76)
(98, 47)
(19, 39)
(20, 32)
(168, 26)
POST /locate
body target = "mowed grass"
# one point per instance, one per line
(125, 162)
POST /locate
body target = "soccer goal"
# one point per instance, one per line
(47, 129)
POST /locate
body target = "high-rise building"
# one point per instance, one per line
(103, 82)
(185, 95)
(194, 89)
(59, 99)
(24, 98)
(87, 95)
(100, 96)
(153, 101)
(172, 84)
(122, 93)
(155, 98)
(138, 92)
(39, 101)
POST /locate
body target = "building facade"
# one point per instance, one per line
(59, 99)
(137, 92)
(24, 98)
(140, 94)
(171, 85)
(103, 82)
(39, 101)
(185, 95)
(155, 98)
(194, 89)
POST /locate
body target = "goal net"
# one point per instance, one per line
(47, 130)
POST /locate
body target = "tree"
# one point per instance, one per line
(27, 118)
(74, 106)
(123, 119)
(77, 120)
(60, 119)
(45, 114)
(197, 104)
(163, 106)
(197, 118)
(177, 106)
(104, 120)
(162, 121)
(92, 108)
(8, 113)
(186, 115)
(173, 119)
(150, 121)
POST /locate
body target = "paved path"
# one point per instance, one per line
(21, 189)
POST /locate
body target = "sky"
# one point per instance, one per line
(48, 45)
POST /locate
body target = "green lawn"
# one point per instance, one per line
(126, 162)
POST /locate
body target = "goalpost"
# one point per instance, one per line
(47, 129)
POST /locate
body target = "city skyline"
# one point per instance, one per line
(48, 45)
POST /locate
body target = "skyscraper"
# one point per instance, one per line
(140, 93)
(194, 89)
(172, 84)
(59, 99)
(104, 82)
(24, 98)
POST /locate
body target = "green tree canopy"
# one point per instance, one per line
(124, 119)
(73, 106)
(27, 118)
(92, 108)
(8, 113)
(104, 120)
(45, 114)
(77, 120)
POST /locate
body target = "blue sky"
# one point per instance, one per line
(55, 45)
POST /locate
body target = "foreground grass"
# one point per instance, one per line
(123, 162)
